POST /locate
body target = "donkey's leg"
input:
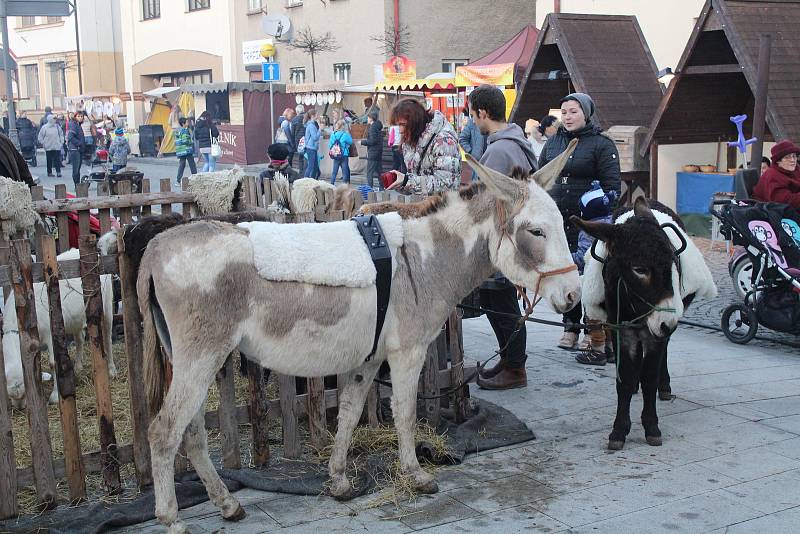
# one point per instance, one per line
(629, 366)
(195, 441)
(189, 387)
(653, 362)
(406, 367)
(664, 387)
(353, 391)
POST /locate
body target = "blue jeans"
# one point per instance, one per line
(312, 166)
(345, 165)
(75, 160)
(211, 163)
(115, 168)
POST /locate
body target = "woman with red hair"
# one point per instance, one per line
(430, 150)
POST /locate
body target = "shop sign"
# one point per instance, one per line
(399, 69)
(251, 51)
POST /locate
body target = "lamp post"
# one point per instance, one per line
(12, 112)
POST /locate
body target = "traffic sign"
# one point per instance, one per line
(53, 8)
(270, 72)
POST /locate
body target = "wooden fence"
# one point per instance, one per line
(18, 273)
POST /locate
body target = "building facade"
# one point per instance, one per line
(49, 52)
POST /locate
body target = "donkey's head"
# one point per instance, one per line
(640, 274)
(527, 241)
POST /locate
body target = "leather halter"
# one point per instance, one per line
(381, 256)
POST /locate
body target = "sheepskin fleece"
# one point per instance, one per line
(695, 275)
(16, 208)
(304, 194)
(213, 191)
(331, 254)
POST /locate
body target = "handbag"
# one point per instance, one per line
(216, 150)
(353, 151)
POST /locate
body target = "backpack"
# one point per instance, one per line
(335, 151)
(301, 144)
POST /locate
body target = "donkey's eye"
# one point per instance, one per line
(536, 232)
(640, 271)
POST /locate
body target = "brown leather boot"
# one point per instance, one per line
(492, 372)
(505, 379)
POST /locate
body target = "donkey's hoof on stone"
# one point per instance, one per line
(426, 486)
(615, 445)
(655, 441)
(237, 515)
(341, 488)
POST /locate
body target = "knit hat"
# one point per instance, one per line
(595, 204)
(782, 149)
(586, 102)
(119, 131)
(278, 151)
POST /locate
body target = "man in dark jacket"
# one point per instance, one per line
(75, 144)
(297, 128)
(595, 158)
(506, 148)
(278, 164)
(374, 144)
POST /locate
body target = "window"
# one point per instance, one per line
(449, 65)
(151, 9)
(341, 72)
(27, 22)
(53, 20)
(255, 6)
(297, 75)
(31, 73)
(197, 5)
(58, 83)
(294, 3)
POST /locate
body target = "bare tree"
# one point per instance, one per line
(312, 45)
(393, 43)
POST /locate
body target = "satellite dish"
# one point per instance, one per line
(277, 26)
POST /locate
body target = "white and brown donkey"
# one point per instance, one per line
(202, 292)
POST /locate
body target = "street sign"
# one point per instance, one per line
(42, 8)
(270, 72)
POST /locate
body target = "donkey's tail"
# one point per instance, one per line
(155, 370)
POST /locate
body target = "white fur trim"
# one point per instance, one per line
(332, 254)
(213, 191)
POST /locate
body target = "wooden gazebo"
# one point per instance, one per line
(717, 73)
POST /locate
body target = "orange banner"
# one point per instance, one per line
(501, 74)
(399, 69)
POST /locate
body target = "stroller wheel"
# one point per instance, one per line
(742, 276)
(739, 323)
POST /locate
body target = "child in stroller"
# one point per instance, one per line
(770, 235)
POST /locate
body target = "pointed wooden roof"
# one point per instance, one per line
(604, 56)
(716, 75)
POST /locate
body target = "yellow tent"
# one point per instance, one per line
(160, 113)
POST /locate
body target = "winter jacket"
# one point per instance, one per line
(75, 140)
(203, 131)
(297, 131)
(779, 185)
(312, 135)
(506, 149)
(595, 158)
(269, 173)
(119, 150)
(51, 137)
(440, 168)
(374, 141)
(184, 145)
(345, 140)
(472, 140)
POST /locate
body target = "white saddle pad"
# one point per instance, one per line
(331, 254)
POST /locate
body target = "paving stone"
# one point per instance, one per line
(770, 494)
(298, 509)
(789, 448)
(256, 522)
(750, 464)
(517, 520)
(783, 522)
(433, 510)
(502, 493)
(732, 438)
(780, 407)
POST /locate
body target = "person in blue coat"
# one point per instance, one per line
(339, 151)
(472, 141)
(312, 145)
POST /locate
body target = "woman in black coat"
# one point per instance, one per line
(595, 158)
(204, 130)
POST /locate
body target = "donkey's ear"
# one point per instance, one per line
(547, 175)
(498, 184)
(599, 230)
(641, 209)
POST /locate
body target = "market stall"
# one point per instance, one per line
(242, 113)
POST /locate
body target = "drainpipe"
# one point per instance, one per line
(556, 6)
(396, 20)
(78, 48)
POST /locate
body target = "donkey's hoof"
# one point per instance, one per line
(178, 527)
(615, 445)
(655, 441)
(340, 488)
(237, 515)
(426, 484)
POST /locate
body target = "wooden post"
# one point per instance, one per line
(316, 411)
(762, 91)
(63, 221)
(82, 191)
(65, 376)
(165, 186)
(131, 322)
(228, 424)
(186, 207)
(291, 440)
(30, 349)
(104, 215)
(37, 193)
(430, 384)
(146, 210)
(372, 197)
(371, 405)
(259, 408)
(8, 463)
(653, 171)
(457, 367)
(90, 264)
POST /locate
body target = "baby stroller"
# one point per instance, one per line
(770, 235)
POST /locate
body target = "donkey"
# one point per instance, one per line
(201, 294)
(650, 273)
